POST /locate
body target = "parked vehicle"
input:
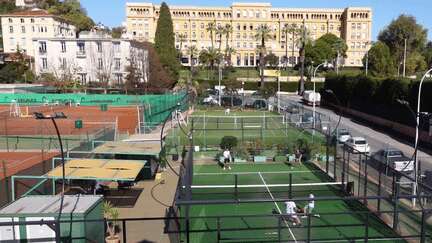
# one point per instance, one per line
(259, 104)
(211, 100)
(395, 159)
(358, 145)
(343, 135)
(310, 97)
(226, 101)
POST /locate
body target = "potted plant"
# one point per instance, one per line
(111, 215)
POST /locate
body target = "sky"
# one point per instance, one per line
(112, 12)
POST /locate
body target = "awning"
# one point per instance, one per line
(151, 148)
(99, 169)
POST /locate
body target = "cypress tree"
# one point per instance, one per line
(164, 42)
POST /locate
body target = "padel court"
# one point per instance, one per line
(333, 220)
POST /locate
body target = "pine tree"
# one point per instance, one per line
(164, 42)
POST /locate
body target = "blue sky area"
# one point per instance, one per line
(112, 12)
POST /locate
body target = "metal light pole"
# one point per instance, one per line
(220, 89)
(417, 165)
(57, 115)
(404, 58)
(314, 95)
(329, 91)
(243, 93)
(367, 60)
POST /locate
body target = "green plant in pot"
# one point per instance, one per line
(111, 215)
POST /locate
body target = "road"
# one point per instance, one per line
(376, 139)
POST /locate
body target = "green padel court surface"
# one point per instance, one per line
(268, 181)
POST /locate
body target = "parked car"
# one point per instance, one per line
(395, 159)
(211, 100)
(259, 104)
(343, 135)
(292, 108)
(226, 101)
(358, 145)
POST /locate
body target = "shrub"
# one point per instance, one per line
(228, 142)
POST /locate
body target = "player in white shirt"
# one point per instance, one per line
(291, 212)
(227, 159)
(310, 206)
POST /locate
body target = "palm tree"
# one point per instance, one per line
(192, 51)
(211, 27)
(293, 30)
(340, 47)
(263, 34)
(304, 38)
(181, 38)
(228, 31)
(209, 57)
(228, 53)
(219, 32)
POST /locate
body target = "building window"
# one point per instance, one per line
(81, 47)
(23, 43)
(99, 46)
(252, 59)
(246, 60)
(42, 47)
(100, 63)
(238, 45)
(32, 21)
(202, 26)
(22, 20)
(83, 77)
(44, 63)
(193, 25)
(185, 25)
(63, 63)
(238, 14)
(202, 35)
(117, 64)
(353, 26)
(257, 14)
(238, 60)
(33, 28)
(12, 42)
(23, 29)
(10, 20)
(63, 46)
(238, 36)
(119, 78)
(11, 29)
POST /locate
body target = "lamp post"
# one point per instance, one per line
(243, 93)
(56, 115)
(329, 91)
(367, 59)
(417, 165)
(314, 94)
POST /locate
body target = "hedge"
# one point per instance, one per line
(379, 96)
(284, 86)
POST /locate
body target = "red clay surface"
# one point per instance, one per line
(14, 162)
(93, 120)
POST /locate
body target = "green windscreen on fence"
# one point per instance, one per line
(90, 99)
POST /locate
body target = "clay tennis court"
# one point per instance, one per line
(94, 119)
(12, 163)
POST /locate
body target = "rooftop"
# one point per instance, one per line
(35, 12)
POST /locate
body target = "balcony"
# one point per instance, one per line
(81, 54)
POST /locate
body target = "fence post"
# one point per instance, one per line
(423, 222)
(396, 202)
(218, 229)
(279, 228)
(124, 230)
(290, 185)
(327, 154)
(367, 227)
(379, 190)
(309, 227)
(365, 201)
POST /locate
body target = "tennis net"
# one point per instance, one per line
(260, 191)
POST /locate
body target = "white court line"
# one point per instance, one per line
(253, 173)
(277, 206)
(265, 185)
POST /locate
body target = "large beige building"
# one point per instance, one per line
(354, 25)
